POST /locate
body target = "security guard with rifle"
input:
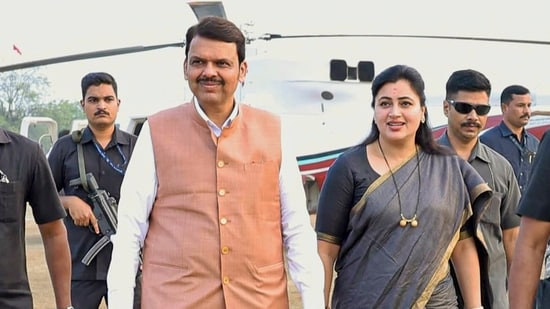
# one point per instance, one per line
(88, 167)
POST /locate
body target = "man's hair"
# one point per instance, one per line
(219, 29)
(96, 79)
(467, 80)
(507, 94)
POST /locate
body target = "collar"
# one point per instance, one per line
(480, 151)
(4, 138)
(211, 124)
(505, 131)
(118, 137)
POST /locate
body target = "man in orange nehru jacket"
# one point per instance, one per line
(214, 195)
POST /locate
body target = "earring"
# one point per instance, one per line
(423, 119)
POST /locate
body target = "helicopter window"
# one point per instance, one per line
(338, 70)
(365, 71)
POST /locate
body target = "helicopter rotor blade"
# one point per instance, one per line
(267, 37)
(271, 36)
(88, 55)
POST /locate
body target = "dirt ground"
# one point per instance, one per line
(41, 286)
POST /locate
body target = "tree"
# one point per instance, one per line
(63, 112)
(21, 95)
(19, 90)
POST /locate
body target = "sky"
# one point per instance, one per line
(150, 80)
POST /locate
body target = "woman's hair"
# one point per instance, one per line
(424, 137)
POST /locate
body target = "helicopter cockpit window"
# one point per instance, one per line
(340, 71)
(365, 71)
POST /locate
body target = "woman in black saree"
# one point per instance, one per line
(395, 209)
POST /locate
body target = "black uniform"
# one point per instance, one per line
(24, 178)
(108, 166)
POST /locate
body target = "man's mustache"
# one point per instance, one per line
(211, 80)
(101, 112)
(470, 124)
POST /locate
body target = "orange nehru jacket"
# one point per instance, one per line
(215, 239)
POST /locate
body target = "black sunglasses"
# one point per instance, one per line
(466, 108)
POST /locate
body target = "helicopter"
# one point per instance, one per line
(320, 83)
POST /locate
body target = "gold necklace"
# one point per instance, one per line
(404, 220)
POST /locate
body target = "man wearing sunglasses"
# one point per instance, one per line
(467, 107)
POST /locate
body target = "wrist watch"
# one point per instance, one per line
(69, 307)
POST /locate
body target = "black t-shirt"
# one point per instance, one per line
(27, 180)
(108, 166)
(535, 201)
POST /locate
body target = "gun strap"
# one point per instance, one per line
(81, 168)
(77, 136)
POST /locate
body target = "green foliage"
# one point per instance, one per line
(19, 90)
(22, 94)
(63, 112)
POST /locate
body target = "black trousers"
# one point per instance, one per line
(542, 299)
(88, 294)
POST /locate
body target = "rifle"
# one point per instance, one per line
(105, 211)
